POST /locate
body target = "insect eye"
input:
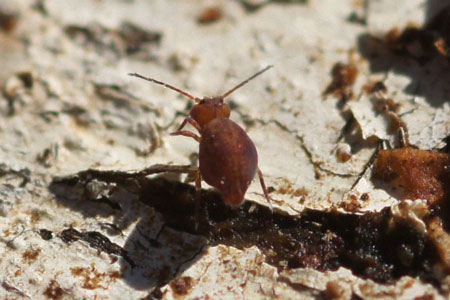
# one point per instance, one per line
(224, 111)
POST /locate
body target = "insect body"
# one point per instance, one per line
(228, 159)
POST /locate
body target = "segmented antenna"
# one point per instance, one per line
(197, 100)
(245, 81)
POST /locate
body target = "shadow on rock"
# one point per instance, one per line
(422, 54)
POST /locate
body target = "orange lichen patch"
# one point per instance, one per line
(352, 203)
(30, 255)
(419, 174)
(93, 278)
(54, 291)
(441, 240)
(286, 188)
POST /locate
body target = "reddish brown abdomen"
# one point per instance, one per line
(228, 159)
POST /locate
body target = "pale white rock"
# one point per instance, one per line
(295, 128)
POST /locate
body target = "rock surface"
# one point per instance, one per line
(80, 221)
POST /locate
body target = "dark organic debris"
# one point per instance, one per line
(122, 176)
(95, 240)
(319, 240)
(344, 76)
(374, 245)
(45, 234)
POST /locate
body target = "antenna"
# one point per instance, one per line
(167, 86)
(245, 81)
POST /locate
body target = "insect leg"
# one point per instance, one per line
(263, 186)
(188, 134)
(198, 191)
(190, 121)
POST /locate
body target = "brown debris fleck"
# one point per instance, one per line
(352, 204)
(182, 285)
(8, 21)
(364, 197)
(93, 278)
(334, 289)
(442, 47)
(344, 76)
(343, 154)
(419, 174)
(54, 291)
(287, 189)
(48, 156)
(210, 15)
(45, 234)
(30, 255)
(374, 87)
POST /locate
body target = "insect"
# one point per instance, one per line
(228, 159)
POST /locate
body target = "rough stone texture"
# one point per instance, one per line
(81, 110)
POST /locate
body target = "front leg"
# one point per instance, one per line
(188, 134)
(198, 193)
(190, 121)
